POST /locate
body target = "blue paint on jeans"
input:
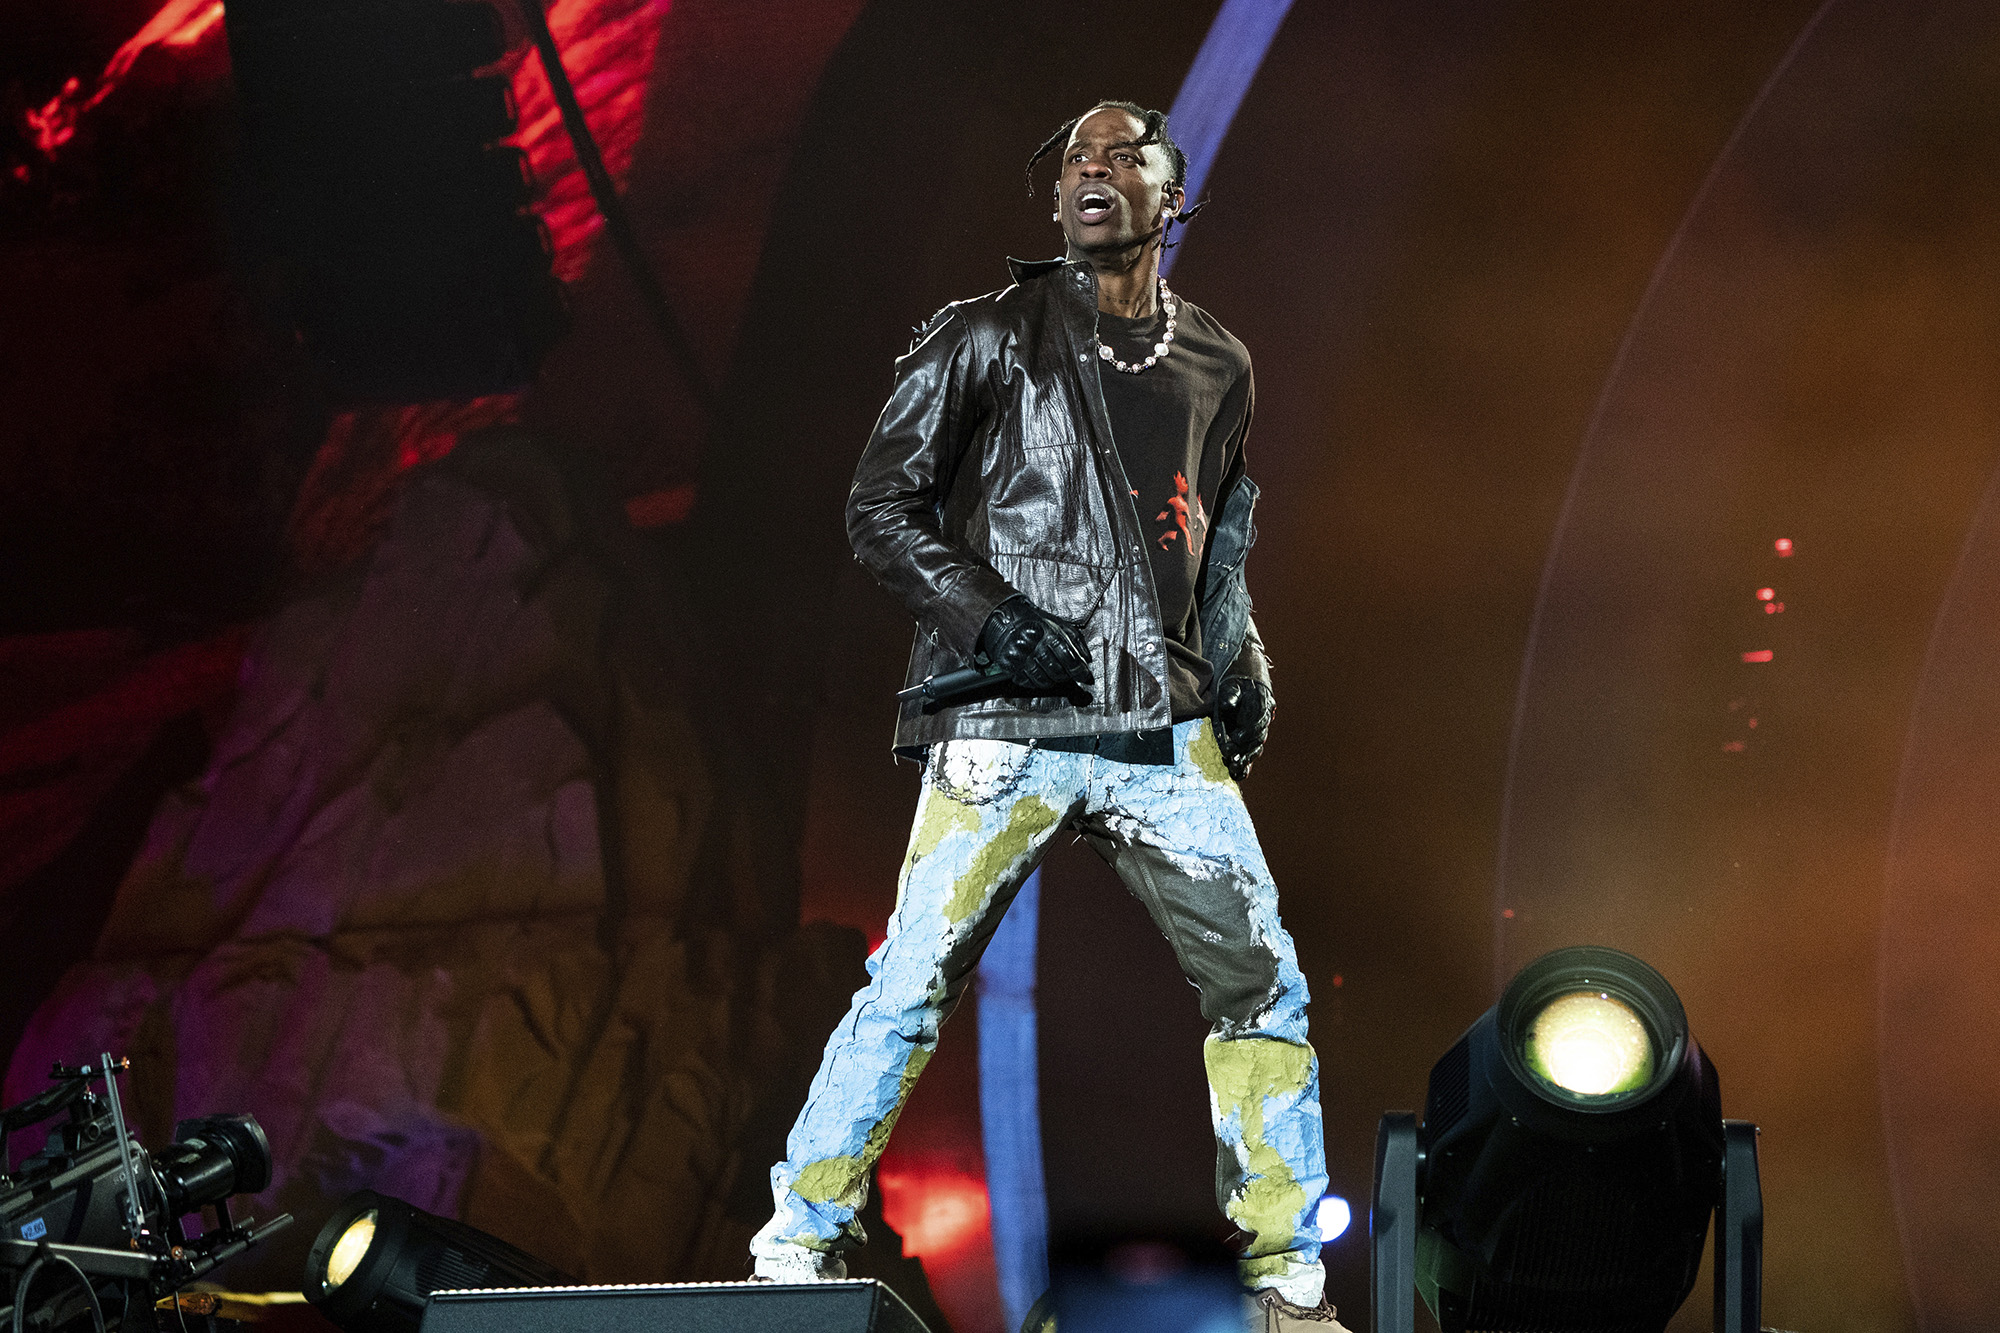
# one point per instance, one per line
(987, 812)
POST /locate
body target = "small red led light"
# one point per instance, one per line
(1732, 747)
(1753, 721)
(1761, 655)
(1507, 912)
(1338, 981)
(1783, 546)
(1766, 594)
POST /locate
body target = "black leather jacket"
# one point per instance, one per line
(991, 471)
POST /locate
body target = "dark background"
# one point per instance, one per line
(1562, 314)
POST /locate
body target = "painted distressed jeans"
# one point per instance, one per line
(1181, 839)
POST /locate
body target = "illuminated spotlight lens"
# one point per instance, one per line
(1333, 1217)
(347, 1251)
(1590, 1044)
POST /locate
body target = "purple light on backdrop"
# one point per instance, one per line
(1221, 74)
(1009, 1095)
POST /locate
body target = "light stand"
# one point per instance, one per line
(1739, 1234)
(1392, 1224)
(1394, 1217)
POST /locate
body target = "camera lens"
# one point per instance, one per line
(213, 1158)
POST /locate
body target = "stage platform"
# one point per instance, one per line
(852, 1305)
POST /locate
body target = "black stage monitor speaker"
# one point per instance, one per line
(849, 1306)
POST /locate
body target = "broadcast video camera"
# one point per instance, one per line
(92, 1225)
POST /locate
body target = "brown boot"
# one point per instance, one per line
(1272, 1313)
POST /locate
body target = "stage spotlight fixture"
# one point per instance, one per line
(1571, 1151)
(377, 1260)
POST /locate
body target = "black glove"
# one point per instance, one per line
(1243, 709)
(1037, 652)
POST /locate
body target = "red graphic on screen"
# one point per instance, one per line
(1188, 527)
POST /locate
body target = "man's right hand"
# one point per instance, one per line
(1036, 651)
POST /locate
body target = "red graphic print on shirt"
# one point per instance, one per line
(1188, 527)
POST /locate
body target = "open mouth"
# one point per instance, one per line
(1093, 206)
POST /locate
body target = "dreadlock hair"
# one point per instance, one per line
(1155, 132)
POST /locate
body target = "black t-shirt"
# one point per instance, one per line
(1179, 428)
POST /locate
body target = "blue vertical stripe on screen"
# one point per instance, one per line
(1228, 60)
(1010, 1112)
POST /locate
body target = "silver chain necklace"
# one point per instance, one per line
(1161, 348)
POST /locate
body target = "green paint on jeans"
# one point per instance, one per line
(1206, 755)
(942, 816)
(1268, 1201)
(844, 1180)
(836, 1179)
(1029, 819)
(1264, 1265)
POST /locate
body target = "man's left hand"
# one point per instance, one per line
(1243, 709)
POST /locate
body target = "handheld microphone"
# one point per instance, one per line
(954, 685)
(939, 689)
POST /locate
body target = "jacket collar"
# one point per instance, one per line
(1024, 269)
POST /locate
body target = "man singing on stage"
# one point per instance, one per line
(1056, 491)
